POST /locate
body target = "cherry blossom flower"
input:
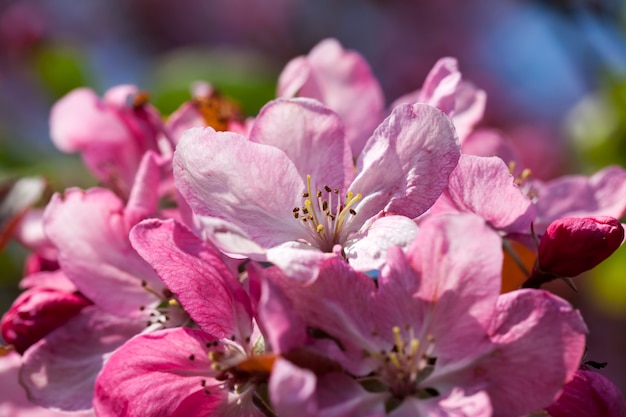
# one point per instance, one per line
(435, 335)
(212, 370)
(292, 181)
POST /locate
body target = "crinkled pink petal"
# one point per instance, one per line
(602, 194)
(532, 330)
(459, 259)
(343, 81)
(195, 272)
(229, 238)
(311, 135)
(366, 250)
(90, 231)
(59, 371)
(485, 187)
(406, 163)
(160, 374)
(254, 186)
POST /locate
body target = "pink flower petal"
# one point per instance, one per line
(254, 186)
(533, 330)
(195, 272)
(602, 194)
(311, 135)
(485, 187)
(59, 371)
(459, 259)
(366, 250)
(343, 81)
(406, 164)
(91, 233)
(159, 374)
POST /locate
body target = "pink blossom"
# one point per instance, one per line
(212, 370)
(343, 81)
(293, 182)
(435, 334)
(90, 232)
(484, 186)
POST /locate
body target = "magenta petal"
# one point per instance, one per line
(454, 404)
(406, 163)
(311, 135)
(157, 374)
(91, 233)
(533, 330)
(59, 371)
(282, 330)
(195, 272)
(254, 186)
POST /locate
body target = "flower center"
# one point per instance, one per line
(407, 363)
(165, 312)
(324, 212)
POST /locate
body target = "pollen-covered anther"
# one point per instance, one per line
(325, 213)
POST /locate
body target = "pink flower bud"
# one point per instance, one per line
(588, 394)
(36, 312)
(573, 245)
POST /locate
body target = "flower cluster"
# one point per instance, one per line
(328, 257)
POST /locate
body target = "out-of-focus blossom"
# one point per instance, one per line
(112, 134)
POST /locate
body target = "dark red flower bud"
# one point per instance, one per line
(588, 394)
(573, 245)
(36, 312)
